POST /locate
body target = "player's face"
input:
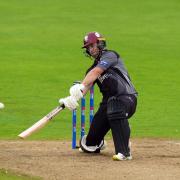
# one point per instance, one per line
(93, 50)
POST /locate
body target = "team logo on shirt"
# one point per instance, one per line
(103, 63)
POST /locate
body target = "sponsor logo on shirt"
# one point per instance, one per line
(103, 77)
(103, 63)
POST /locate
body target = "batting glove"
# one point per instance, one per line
(77, 91)
(70, 102)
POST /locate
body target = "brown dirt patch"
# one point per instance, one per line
(153, 159)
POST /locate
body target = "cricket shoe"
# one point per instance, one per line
(80, 150)
(103, 147)
(91, 149)
(121, 157)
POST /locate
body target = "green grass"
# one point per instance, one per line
(40, 57)
(8, 175)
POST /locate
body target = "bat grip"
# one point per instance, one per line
(62, 105)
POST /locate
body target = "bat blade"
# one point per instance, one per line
(41, 123)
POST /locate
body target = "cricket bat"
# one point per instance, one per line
(41, 123)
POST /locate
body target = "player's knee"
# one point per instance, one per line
(116, 109)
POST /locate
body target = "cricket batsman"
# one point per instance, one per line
(118, 103)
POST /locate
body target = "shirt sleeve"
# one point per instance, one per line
(107, 60)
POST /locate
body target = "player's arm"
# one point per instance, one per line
(106, 61)
(86, 89)
(91, 77)
(79, 90)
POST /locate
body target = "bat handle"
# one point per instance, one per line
(62, 105)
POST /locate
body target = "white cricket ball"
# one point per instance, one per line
(1, 105)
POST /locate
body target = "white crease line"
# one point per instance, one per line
(172, 142)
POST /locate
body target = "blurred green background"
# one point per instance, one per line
(41, 56)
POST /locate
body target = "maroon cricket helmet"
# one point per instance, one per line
(91, 38)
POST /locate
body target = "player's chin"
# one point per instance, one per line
(94, 55)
